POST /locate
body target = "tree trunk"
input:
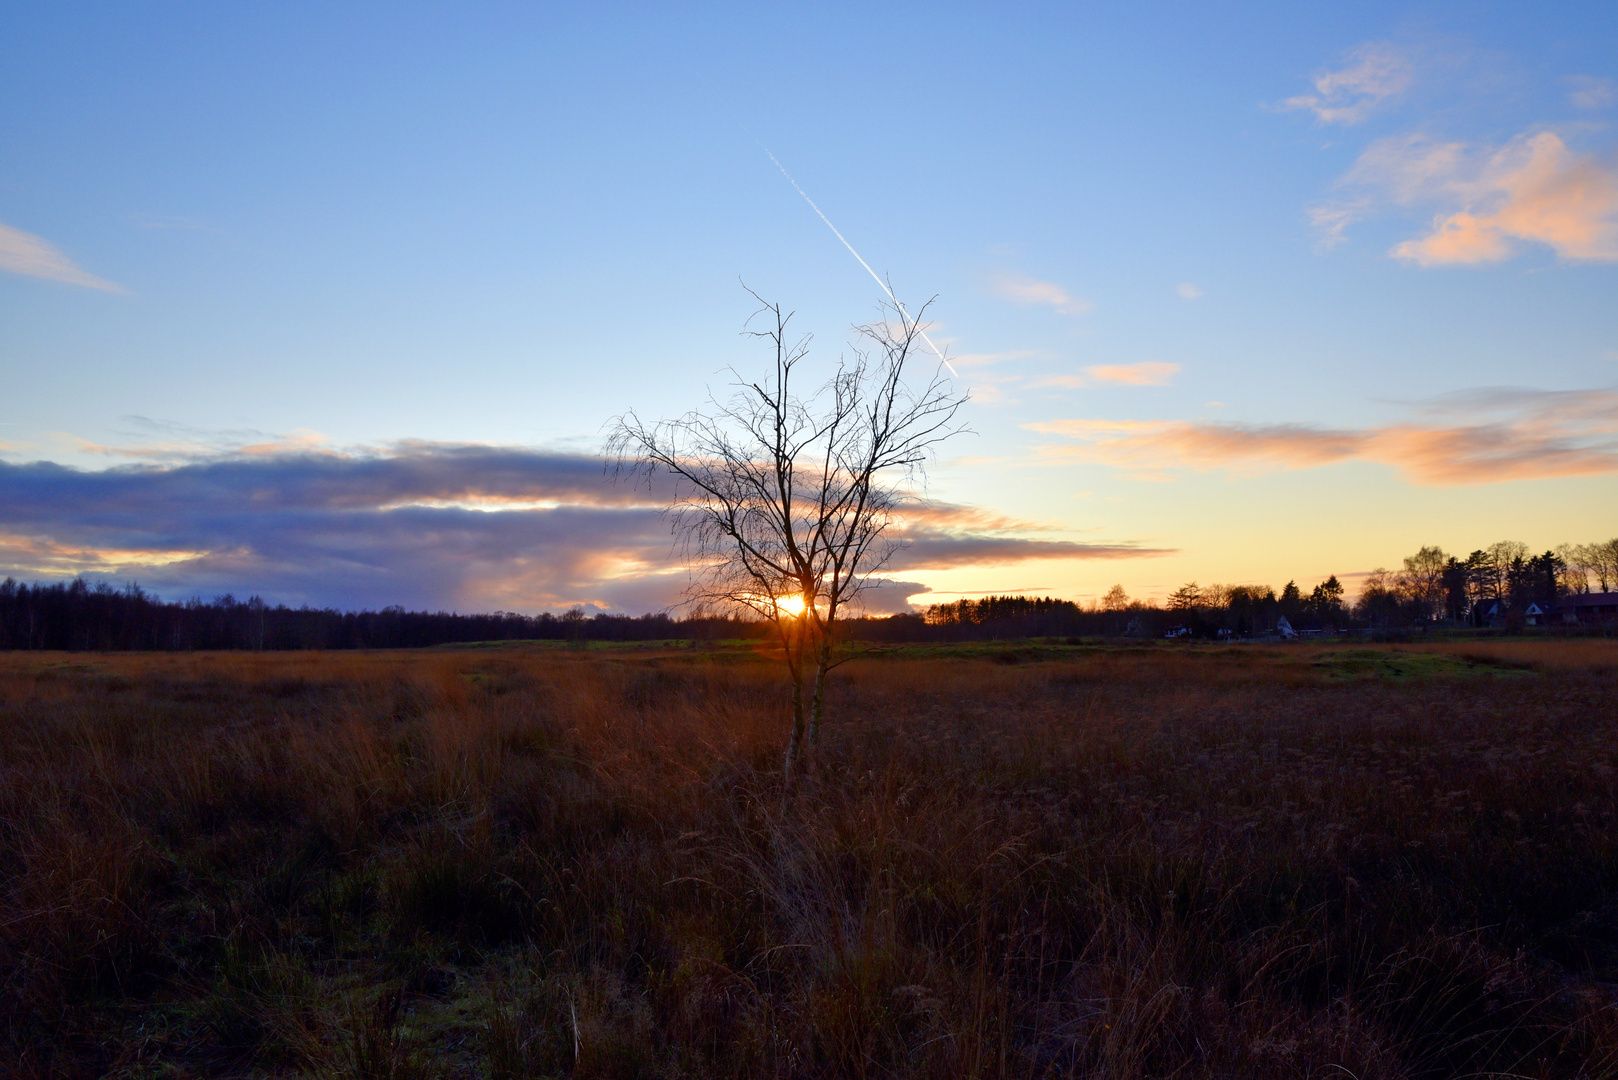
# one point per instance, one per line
(796, 751)
(817, 701)
(795, 741)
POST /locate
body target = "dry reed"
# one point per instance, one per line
(1390, 862)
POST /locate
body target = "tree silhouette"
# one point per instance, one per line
(784, 503)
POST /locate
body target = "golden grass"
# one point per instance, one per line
(1576, 654)
(1395, 861)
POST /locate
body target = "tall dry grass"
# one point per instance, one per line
(1574, 654)
(1119, 863)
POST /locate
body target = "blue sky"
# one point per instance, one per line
(1258, 294)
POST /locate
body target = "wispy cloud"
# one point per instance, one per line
(990, 385)
(937, 551)
(1589, 92)
(34, 256)
(1331, 220)
(1023, 290)
(1489, 200)
(165, 442)
(1143, 374)
(942, 536)
(421, 524)
(1147, 373)
(1477, 437)
(1372, 73)
(1188, 291)
(966, 361)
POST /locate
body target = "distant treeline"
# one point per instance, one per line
(78, 615)
(1500, 585)
(1000, 617)
(81, 616)
(1492, 586)
(1497, 586)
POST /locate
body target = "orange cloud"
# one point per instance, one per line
(1534, 190)
(1499, 435)
(1540, 193)
(36, 555)
(1143, 374)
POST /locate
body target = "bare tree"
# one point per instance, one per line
(1577, 562)
(1493, 570)
(1604, 559)
(1584, 560)
(1423, 580)
(785, 504)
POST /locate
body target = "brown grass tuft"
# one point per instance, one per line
(1392, 862)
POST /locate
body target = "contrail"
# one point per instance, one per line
(874, 275)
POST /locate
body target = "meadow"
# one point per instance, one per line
(1036, 860)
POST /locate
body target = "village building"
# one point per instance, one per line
(1588, 609)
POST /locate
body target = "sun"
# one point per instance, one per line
(790, 605)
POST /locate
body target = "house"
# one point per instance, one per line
(1536, 615)
(1589, 609)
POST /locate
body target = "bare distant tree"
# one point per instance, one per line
(1423, 580)
(1577, 562)
(784, 503)
(1604, 563)
(1115, 600)
(1493, 569)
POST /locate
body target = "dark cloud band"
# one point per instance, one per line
(421, 525)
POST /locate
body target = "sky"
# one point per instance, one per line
(335, 303)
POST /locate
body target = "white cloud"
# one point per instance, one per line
(34, 256)
(1023, 290)
(1589, 92)
(1188, 291)
(1375, 72)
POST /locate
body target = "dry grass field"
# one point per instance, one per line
(1367, 862)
